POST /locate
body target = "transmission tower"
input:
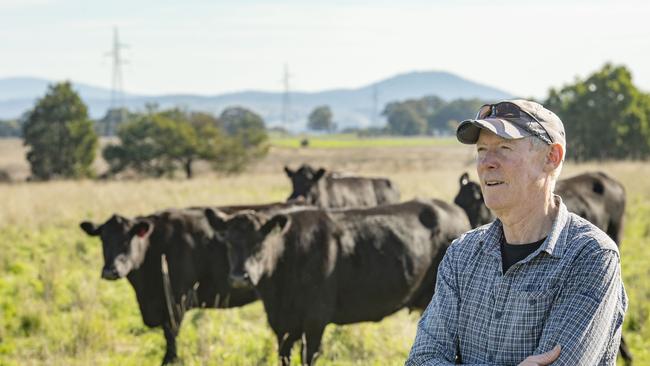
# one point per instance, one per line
(375, 104)
(286, 101)
(117, 111)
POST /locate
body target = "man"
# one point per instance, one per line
(539, 285)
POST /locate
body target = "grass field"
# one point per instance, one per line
(55, 309)
(336, 141)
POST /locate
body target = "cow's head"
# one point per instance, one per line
(304, 182)
(248, 239)
(470, 198)
(124, 241)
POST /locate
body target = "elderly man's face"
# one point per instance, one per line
(511, 172)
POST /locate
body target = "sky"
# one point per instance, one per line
(212, 47)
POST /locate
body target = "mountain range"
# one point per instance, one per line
(350, 107)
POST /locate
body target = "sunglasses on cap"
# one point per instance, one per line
(507, 110)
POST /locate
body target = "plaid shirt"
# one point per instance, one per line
(568, 292)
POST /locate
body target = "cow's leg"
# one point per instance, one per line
(170, 337)
(311, 340)
(624, 351)
(285, 343)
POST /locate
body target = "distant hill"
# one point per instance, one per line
(351, 107)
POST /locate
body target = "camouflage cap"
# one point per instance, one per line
(514, 119)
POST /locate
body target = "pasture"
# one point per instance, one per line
(56, 310)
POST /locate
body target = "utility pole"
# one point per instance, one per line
(117, 112)
(375, 104)
(286, 101)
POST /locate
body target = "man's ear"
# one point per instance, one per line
(555, 156)
(318, 175)
(280, 220)
(90, 228)
(216, 218)
(288, 171)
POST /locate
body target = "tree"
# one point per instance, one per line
(60, 137)
(445, 119)
(605, 116)
(403, 119)
(248, 139)
(320, 119)
(159, 143)
(110, 123)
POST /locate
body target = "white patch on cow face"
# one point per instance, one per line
(138, 245)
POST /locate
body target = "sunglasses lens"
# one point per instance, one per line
(507, 110)
(484, 111)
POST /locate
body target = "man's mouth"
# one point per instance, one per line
(493, 183)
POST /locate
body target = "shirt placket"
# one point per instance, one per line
(498, 301)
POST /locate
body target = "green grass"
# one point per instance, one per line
(55, 309)
(337, 141)
(635, 260)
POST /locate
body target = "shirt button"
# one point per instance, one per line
(498, 314)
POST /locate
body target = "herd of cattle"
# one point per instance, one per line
(342, 249)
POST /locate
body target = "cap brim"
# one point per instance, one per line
(469, 130)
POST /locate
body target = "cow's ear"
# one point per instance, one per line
(90, 228)
(288, 171)
(142, 229)
(318, 175)
(464, 179)
(280, 221)
(216, 218)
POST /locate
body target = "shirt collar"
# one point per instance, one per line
(555, 242)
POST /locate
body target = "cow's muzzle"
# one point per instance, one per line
(110, 273)
(240, 280)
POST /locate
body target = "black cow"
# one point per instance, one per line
(333, 190)
(174, 263)
(313, 267)
(594, 196)
(470, 198)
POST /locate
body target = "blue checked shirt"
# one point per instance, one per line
(567, 292)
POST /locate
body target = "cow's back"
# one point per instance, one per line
(596, 197)
(387, 255)
(349, 192)
(385, 191)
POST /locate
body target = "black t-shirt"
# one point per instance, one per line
(513, 253)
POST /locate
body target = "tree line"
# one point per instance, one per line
(605, 116)
(62, 141)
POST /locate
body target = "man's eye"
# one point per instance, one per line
(504, 147)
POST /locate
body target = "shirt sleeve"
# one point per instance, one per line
(587, 316)
(436, 340)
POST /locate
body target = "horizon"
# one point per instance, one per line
(230, 48)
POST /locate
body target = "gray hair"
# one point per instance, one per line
(540, 145)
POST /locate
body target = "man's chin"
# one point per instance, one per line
(494, 206)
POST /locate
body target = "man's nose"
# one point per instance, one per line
(488, 160)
